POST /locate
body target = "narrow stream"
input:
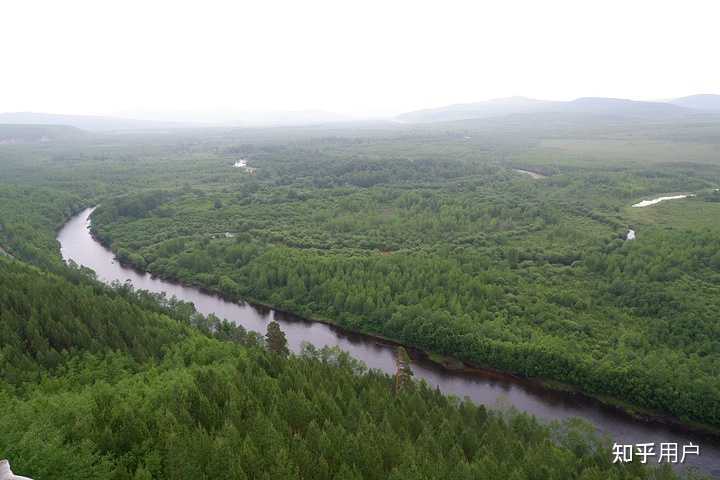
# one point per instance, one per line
(655, 201)
(534, 175)
(489, 388)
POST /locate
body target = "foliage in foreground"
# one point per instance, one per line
(131, 403)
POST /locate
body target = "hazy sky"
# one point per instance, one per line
(363, 57)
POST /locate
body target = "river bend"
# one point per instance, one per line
(485, 387)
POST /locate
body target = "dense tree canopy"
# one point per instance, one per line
(533, 277)
(138, 393)
(427, 235)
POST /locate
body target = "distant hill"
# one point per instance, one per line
(14, 133)
(610, 107)
(468, 111)
(84, 122)
(699, 102)
(621, 107)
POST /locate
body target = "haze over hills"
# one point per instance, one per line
(233, 117)
(619, 106)
(144, 120)
(466, 111)
(521, 107)
(85, 122)
(593, 106)
(17, 133)
(699, 102)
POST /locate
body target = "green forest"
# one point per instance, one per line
(429, 236)
(102, 383)
(466, 258)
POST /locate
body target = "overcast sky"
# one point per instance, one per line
(360, 57)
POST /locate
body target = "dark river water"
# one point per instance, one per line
(488, 388)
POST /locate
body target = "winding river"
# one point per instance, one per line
(486, 387)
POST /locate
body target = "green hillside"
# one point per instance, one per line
(105, 384)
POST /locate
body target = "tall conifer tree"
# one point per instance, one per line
(276, 340)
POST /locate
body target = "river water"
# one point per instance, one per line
(489, 388)
(533, 175)
(655, 201)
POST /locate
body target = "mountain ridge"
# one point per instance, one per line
(584, 105)
(703, 101)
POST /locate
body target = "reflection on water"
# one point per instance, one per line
(655, 201)
(534, 175)
(481, 386)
